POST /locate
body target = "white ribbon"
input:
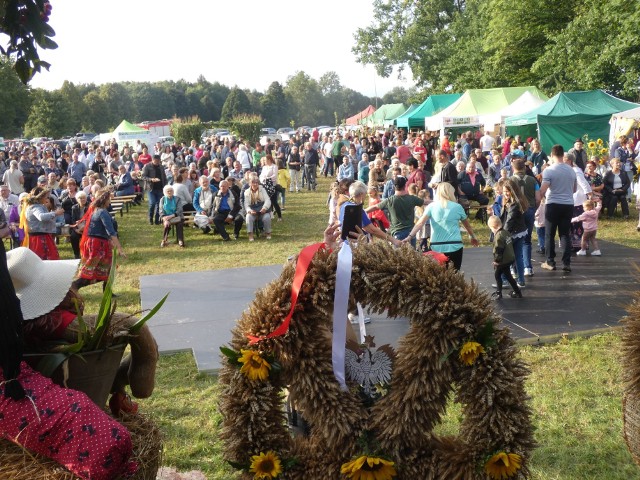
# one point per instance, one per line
(340, 311)
(363, 330)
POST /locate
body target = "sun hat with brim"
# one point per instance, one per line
(41, 285)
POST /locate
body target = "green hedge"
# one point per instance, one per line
(245, 127)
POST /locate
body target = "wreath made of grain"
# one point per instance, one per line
(444, 310)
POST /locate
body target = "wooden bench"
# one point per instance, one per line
(126, 200)
(475, 206)
(188, 219)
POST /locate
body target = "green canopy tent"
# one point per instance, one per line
(570, 115)
(431, 106)
(404, 114)
(127, 134)
(383, 115)
(473, 104)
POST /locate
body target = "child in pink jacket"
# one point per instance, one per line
(589, 221)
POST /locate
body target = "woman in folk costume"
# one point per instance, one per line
(41, 224)
(99, 237)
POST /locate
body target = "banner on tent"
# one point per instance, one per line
(460, 121)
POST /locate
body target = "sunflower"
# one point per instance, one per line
(503, 465)
(265, 466)
(604, 151)
(255, 367)
(592, 145)
(470, 351)
(369, 468)
(599, 142)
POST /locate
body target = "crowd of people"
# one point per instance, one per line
(418, 189)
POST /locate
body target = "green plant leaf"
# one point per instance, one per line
(50, 362)
(138, 325)
(231, 354)
(104, 313)
(238, 465)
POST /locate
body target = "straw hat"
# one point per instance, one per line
(41, 285)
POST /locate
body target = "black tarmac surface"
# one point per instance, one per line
(203, 306)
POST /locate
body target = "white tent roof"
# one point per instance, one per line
(525, 102)
(623, 122)
(633, 114)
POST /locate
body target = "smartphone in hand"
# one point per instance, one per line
(352, 219)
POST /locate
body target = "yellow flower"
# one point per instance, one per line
(503, 465)
(255, 367)
(592, 145)
(599, 142)
(369, 468)
(265, 466)
(604, 151)
(470, 351)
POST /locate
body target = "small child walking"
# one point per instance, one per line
(503, 257)
(589, 221)
(539, 224)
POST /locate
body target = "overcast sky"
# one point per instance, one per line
(248, 43)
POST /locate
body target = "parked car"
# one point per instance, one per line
(166, 140)
(272, 136)
(285, 130)
(84, 136)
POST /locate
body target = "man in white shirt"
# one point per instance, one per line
(7, 200)
(559, 183)
(487, 143)
(14, 178)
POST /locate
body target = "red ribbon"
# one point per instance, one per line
(302, 267)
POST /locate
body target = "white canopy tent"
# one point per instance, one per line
(622, 123)
(525, 103)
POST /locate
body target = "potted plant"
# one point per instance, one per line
(91, 362)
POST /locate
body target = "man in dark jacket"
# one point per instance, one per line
(153, 174)
(310, 165)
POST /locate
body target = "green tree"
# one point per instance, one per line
(150, 102)
(305, 98)
(516, 38)
(411, 33)
(77, 107)
(599, 48)
(255, 100)
(118, 101)
(236, 104)
(95, 120)
(398, 95)
(48, 116)
(26, 25)
(14, 101)
(275, 110)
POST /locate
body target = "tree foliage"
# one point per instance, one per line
(274, 105)
(26, 25)
(101, 108)
(453, 45)
(236, 104)
(14, 101)
(49, 115)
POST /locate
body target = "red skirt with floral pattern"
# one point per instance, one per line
(96, 259)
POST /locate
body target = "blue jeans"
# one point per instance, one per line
(529, 218)
(540, 232)
(518, 250)
(154, 203)
(402, 234)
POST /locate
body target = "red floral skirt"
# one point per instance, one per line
(96, 259)
(44, 246)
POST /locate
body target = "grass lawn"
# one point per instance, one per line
(575, 385)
